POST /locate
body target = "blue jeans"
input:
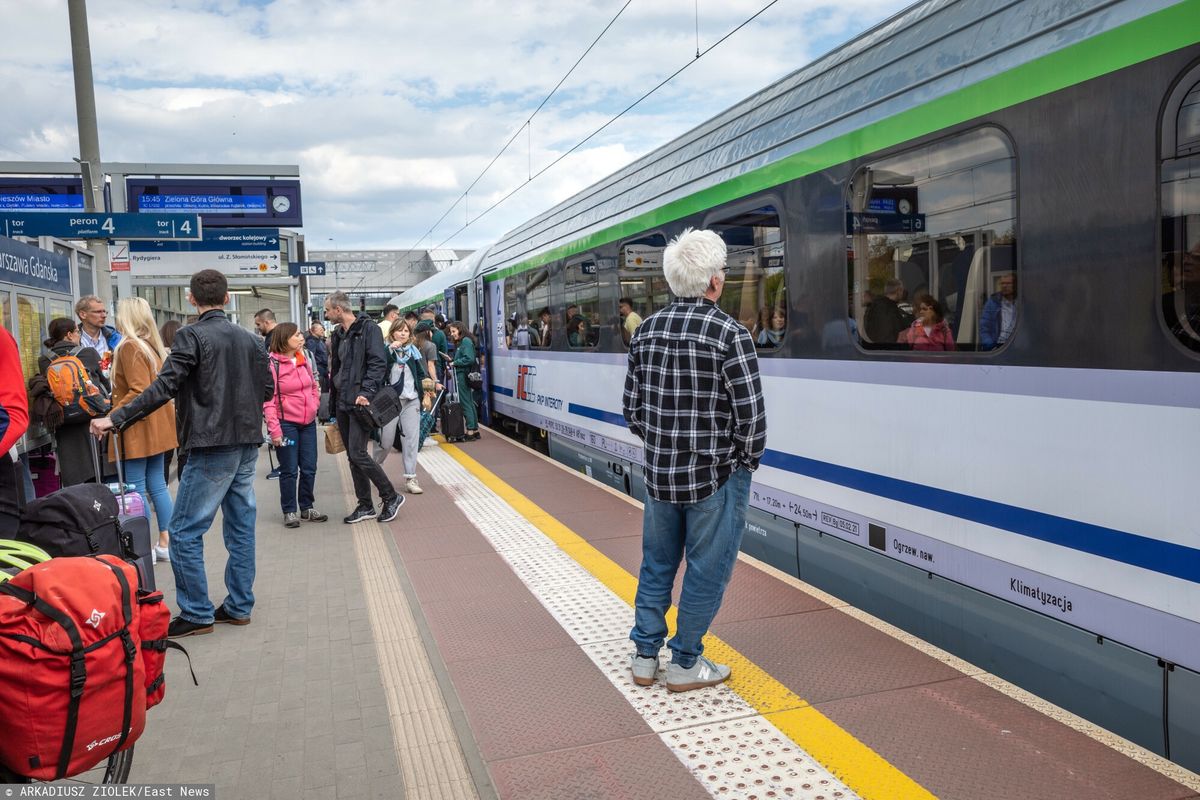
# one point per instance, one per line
(709, 533)
(298, 458)
(216, 477)
(146, 475)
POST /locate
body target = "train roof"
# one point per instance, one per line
(430, 290)
(928, 51)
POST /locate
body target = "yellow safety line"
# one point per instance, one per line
(848, 759)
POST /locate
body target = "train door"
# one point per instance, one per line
(482, 335)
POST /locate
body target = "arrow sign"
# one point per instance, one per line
(87, 225)
(299, 268)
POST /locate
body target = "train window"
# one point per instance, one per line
(643, 288)
(1181, 216)
(931, 245)
(514, 302)
(537, 307)
(755, 291)
(582, 315)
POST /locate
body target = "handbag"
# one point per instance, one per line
(383, 408)
(474, 380)
(333, 440)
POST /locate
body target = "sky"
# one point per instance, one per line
(393, 108)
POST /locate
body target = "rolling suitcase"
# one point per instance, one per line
(454, 425)
(135, 527)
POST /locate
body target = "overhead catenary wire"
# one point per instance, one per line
(527, 125)
(700, 54)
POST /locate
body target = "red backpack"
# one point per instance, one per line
(76, 644)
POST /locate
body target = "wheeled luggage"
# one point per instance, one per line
(135, 525)
(454, 424)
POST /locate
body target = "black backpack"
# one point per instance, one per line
(79, 520)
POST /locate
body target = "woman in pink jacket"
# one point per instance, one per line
(291, 416)
(929, 331)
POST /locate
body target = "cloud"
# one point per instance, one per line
(391, 109)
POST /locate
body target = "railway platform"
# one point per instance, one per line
(476, 647)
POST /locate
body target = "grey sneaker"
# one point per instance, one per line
(291, 520)
(701, 674)
(644, 669)
(312, 515)
(412, 487)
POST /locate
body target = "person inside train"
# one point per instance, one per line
(885, 319)
(698, 486)
(543, 327)
(999, 315)
(929, 331)
(523, 336)
(774, 327)
(630, 319)
(571, 313)
(578, 332)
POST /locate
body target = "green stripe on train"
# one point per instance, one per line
(1141, 40)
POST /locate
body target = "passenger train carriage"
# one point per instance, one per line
(1026, 500)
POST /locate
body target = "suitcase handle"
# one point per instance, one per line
(120, 466)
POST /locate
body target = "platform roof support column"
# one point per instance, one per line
(89, 138)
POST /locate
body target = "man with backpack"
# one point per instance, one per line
(218, 374)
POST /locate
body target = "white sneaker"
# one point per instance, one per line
(162, 553)
(412, 487)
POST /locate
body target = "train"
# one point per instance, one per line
(1028, 171)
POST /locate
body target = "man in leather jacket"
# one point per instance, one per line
(357, 370)
(218, 374)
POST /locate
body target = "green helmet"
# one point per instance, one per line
(16, 556)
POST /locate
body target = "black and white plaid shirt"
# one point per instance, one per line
(694, 397)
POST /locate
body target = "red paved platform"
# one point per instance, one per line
(549, 724)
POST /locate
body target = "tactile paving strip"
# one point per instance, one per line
(589, 612)
(726, 745)
(751, 759)
(663, 710)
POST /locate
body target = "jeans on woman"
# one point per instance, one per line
(300, 458)
(146, 475)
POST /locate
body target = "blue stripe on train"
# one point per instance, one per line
(1156, 555)
(1166, 558)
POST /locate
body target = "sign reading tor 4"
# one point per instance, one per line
(98, 225)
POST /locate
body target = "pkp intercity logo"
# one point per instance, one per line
(525, 373)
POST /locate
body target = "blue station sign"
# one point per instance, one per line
(97, 225)
(216, 241)
(26, 265)
(301, 268)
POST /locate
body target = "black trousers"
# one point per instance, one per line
(11, 497)
(363, 469)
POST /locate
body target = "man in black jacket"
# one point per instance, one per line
(218, 374)
(358, 369)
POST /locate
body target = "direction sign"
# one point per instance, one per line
(233, 251)
(98, 225)
(299, 268)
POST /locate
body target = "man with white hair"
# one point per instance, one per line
(693, 395)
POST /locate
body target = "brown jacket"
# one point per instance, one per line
(134, 371)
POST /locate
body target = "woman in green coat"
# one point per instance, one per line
(465, 362)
